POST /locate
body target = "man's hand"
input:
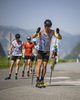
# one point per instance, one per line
(57, 30)
(23, 56)
(9, 55)
(38, 29)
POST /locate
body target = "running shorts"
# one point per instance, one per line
(16, 57)
(44, 55)
(34, 58)
(27, 57)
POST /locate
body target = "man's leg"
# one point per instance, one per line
(17, 68)
(24, 64)
(10, 70)
(38, 73)
(34, 65)
(28, 67)
(51, 63)
(45, 61)
(44, 69)
(38, 68)
(31, 67)
(43, 74)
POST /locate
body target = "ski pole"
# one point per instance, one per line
(32, 77)
(38, 30)
(53, 63)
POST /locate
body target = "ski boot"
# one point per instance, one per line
(28, 74)
(34, 70)
(7, 78)
(22, 73)
(31, 71)
(16, 76)
(38, 84)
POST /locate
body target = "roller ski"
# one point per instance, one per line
(38, 84)
(8, 78)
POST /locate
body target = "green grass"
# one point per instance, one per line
(5, 63)
(63, 60)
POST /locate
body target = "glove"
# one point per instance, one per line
(57, 30)
(9, 56)
(23, 56)
(38, 30)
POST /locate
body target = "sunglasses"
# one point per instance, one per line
(47, 27)
(28, 39)
(17, 38)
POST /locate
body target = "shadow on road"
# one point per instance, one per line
(60, 85)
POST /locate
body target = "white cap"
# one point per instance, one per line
(34, 39)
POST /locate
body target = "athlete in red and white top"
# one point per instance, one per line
(27, 51)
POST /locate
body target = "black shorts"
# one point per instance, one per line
(27, 57)
(54, 56)
(16, 57)
(34, 58)
(44, 55)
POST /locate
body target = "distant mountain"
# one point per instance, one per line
(2, 53)
(67, 43)
(75, 53)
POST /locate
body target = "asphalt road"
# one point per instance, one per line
(65, 84)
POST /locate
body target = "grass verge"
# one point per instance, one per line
(5, 63)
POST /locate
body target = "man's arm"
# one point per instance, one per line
(11, 48)
(23, 50)
(51, 53)
(32, 50)
(57, 55)
(39, 30)
(57, 35)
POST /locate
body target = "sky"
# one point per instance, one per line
(31, 14)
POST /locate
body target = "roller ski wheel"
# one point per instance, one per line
(43, 84)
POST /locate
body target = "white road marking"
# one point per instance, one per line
(68, 81)
(57, 77)
(65, 83)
